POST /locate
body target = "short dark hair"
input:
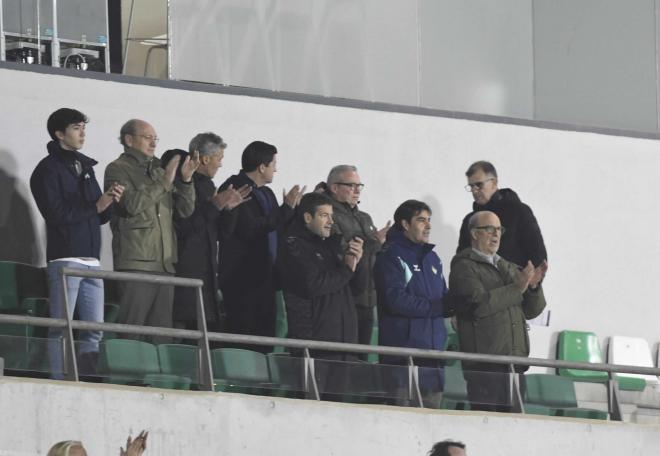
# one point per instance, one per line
(408, 209)
(62, 118)
(483, 165)
(257, 153)
(442, 448)
(168, 155)
(310, 203)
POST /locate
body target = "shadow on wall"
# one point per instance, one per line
(444, 236)
(17, 230)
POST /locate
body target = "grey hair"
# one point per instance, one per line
(129, 128)
(206, 144)
(333, 176)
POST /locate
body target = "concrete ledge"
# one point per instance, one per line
(37, 413)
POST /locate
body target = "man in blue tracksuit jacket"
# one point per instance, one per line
(411, 286)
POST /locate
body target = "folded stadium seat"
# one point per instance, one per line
(582, 347)
(373, 357)
(240, 371)
(455, 396)
(8, 288)
(23, 291)
(179, 359)
(133, 362)
(631, 351)
(110, 315)
(287, 372)
(281, 322)
(553, 395)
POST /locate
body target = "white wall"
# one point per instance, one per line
(36, 414)
(594, 195)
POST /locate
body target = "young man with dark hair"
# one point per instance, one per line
(247, 258)
(320, 276)
(411, 288)
(448, 448)
(74, 208)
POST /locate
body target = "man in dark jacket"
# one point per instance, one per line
(198, 235)
(411, 289)
(344, 187)
(71, 202)
(247, 258)
(320, 276)
(493, 298)
(523, 241)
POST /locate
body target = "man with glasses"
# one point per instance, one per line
(143, 237)
(523, 241)
(493, 299)
(344, 187)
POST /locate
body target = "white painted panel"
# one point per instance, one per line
(593, 194)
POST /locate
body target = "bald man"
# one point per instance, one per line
(493, 298)
(143, 237)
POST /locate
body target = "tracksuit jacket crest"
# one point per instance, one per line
(411, 286)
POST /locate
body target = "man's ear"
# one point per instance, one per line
(59, 135)
(308, 218)
(405, 225)
(204, 159)
(262, 168)
(473, 234)
(128, 140)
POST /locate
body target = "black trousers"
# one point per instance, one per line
(490, 387)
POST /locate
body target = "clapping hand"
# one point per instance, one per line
(136, 446)
(381, 234)
(231, 198)
(354, 253)
(292, 197)
(539, 274)
(190, 165)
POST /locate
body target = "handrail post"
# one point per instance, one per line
(517, 405)
(613, 402)
(69, 345)
(414, 392)
(205, 366)
(311, 388)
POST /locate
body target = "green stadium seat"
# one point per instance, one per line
(179, 359)
(8, 288)
(239, 370)
(455, 390)
(581, 347)
(281, 322)
(133, 362)
(554, 395)
(373, 357)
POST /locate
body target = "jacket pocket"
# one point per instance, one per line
(139, 240)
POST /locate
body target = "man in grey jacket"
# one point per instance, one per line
(492, 298)
(143, 237)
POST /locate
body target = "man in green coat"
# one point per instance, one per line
(143, 236)
(493, 300)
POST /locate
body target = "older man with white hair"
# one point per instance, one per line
(493, 298)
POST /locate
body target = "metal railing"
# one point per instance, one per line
(206, 380)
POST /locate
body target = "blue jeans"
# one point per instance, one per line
(83, 293)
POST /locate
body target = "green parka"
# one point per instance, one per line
(490, 309)
(143, 236)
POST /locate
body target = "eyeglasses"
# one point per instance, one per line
(353, 186)
(490, 229)
(149, 138)
(477, 185)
